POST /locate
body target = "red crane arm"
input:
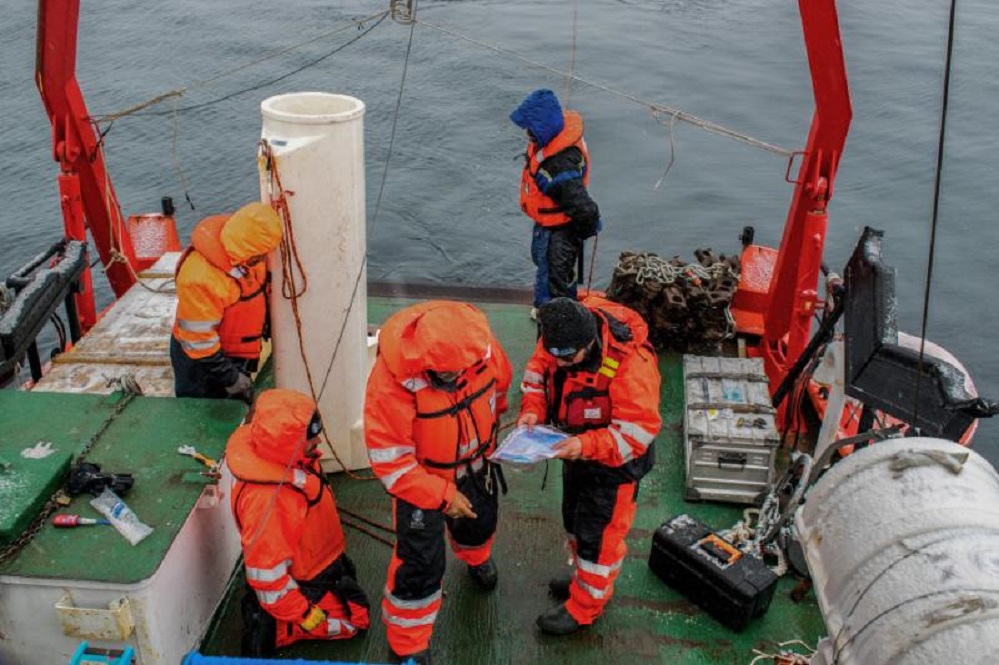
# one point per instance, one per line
(87, 195)
(793, 292)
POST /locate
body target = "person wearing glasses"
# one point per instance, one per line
(594, 375)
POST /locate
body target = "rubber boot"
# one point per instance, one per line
(558, 621)
(485, 575)
(259, 629)
(420, 658)
(558, 587)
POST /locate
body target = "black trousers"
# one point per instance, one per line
(190, 379)
(597, 512)
(413, 589)
(555, 251)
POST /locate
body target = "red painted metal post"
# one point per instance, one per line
(793, 288)
(807, 297)
(76, 146)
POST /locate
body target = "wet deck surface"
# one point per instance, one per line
(645, 622)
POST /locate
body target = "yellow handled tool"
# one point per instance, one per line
(190, 451)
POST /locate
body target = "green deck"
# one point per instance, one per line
(645, 622)
(141, 440)
(26, 484)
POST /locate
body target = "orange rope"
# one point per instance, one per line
(291, 265)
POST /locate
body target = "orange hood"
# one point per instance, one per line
(439, 335)
(252, 230)
(636, 324)
(278, 428)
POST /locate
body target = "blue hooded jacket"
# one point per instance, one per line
(541, 114)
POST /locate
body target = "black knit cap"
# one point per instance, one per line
(566, 326)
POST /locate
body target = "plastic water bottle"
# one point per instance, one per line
(121, 516)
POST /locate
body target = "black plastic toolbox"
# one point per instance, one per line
(731, 586)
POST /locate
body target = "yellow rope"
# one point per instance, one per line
(113, 209)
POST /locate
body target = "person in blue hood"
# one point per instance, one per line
(553, 193)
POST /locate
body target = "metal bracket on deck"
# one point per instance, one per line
(114, 623)
(402, 11)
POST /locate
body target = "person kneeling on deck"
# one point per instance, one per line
(594, 375)
(222, 284)
(431, 415)
(302, 586)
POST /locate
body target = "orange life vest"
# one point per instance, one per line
(242, 325)
(584, 402)
(535, 203)
(453, 429)
(589, 405)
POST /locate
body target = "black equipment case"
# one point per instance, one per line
(731, 586)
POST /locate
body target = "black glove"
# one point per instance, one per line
(241, 388)
(87, 477)
(589, 228)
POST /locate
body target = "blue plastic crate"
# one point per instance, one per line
(87, 655)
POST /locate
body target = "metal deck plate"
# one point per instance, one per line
(132, 337)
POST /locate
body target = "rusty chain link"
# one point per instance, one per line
(685, 304)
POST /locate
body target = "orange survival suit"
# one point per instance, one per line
(426, 441)
(610, 401)
(302, 586)
(222, 301)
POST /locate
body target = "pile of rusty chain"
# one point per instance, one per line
(685, 304)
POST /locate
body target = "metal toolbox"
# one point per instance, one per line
(730, 437)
